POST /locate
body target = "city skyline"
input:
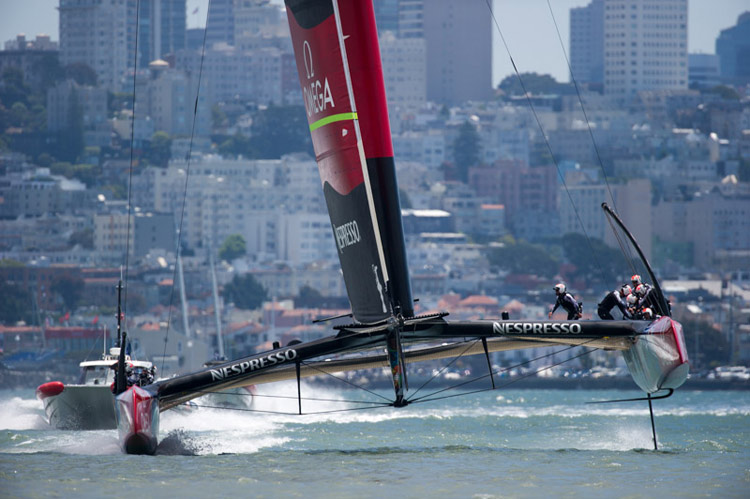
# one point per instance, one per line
(534, 50)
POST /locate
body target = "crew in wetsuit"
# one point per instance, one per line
(635, 281)
(566, 301)
(646, 297)
(614, 299)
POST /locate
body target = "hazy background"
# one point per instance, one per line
(526, 24)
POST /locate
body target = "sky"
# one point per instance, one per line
(526, 25)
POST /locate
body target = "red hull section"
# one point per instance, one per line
(658, 360)
(137, 421)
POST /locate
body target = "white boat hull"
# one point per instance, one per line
(78, 407)
(658, 360)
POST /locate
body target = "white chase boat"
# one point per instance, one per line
(90, 404)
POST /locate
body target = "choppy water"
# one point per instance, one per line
(513, 443)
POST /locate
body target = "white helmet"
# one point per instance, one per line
(635, 279)
(559, 288)
(648, 314)
(626, 290)
(640, 290)
(632, 299)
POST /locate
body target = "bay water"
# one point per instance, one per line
(503, 443)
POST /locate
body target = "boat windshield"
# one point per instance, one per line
(96, 375)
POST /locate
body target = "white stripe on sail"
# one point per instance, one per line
(360, 146)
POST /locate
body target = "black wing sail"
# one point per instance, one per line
(338, 61)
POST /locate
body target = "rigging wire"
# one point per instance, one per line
(500, 371)
(132, 149)
(184, 194)
(470, 344)
(344, 380)
(424, 399)
(583, 109)
(625, 249)
(282, 413)
(546, 141)
(290, 397)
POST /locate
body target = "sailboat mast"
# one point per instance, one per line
(185, 325)
(217, 311)
(119, 311)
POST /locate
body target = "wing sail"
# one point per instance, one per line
(338, 62)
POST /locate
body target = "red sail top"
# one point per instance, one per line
(328, 100)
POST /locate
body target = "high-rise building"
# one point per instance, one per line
(404, 71)
(259, 18)
(645, 46)
(411, 18)
(220, 22)
(386, 15)
(703, 70)
(587, 42)
(94, 32)
(733, 49)
(161, 29)
(458, 39)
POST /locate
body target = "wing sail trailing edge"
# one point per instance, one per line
(338, 62)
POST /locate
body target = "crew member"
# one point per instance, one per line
(646, 297)
(566, 301)
(635, 281)
(614, 299)
(632, 301)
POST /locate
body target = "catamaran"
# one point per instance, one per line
(337, 55)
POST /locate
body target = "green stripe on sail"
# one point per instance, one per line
(331, 119)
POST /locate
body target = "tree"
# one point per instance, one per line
(160, 149)
(70, 289)
(524, 258)
(593, 259)
(745, 170)
(466, 149)
(724, 92)
(404, 198)
(13, 88)
(83, 237)
(245, 292)
(706, 346)
(16, 304)
(88, 174)
(81, 73)
(280, 130)
(237, 145)
(71, 143)
(535, 84)
(308, 297)
(218, 117)
(234, 247)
